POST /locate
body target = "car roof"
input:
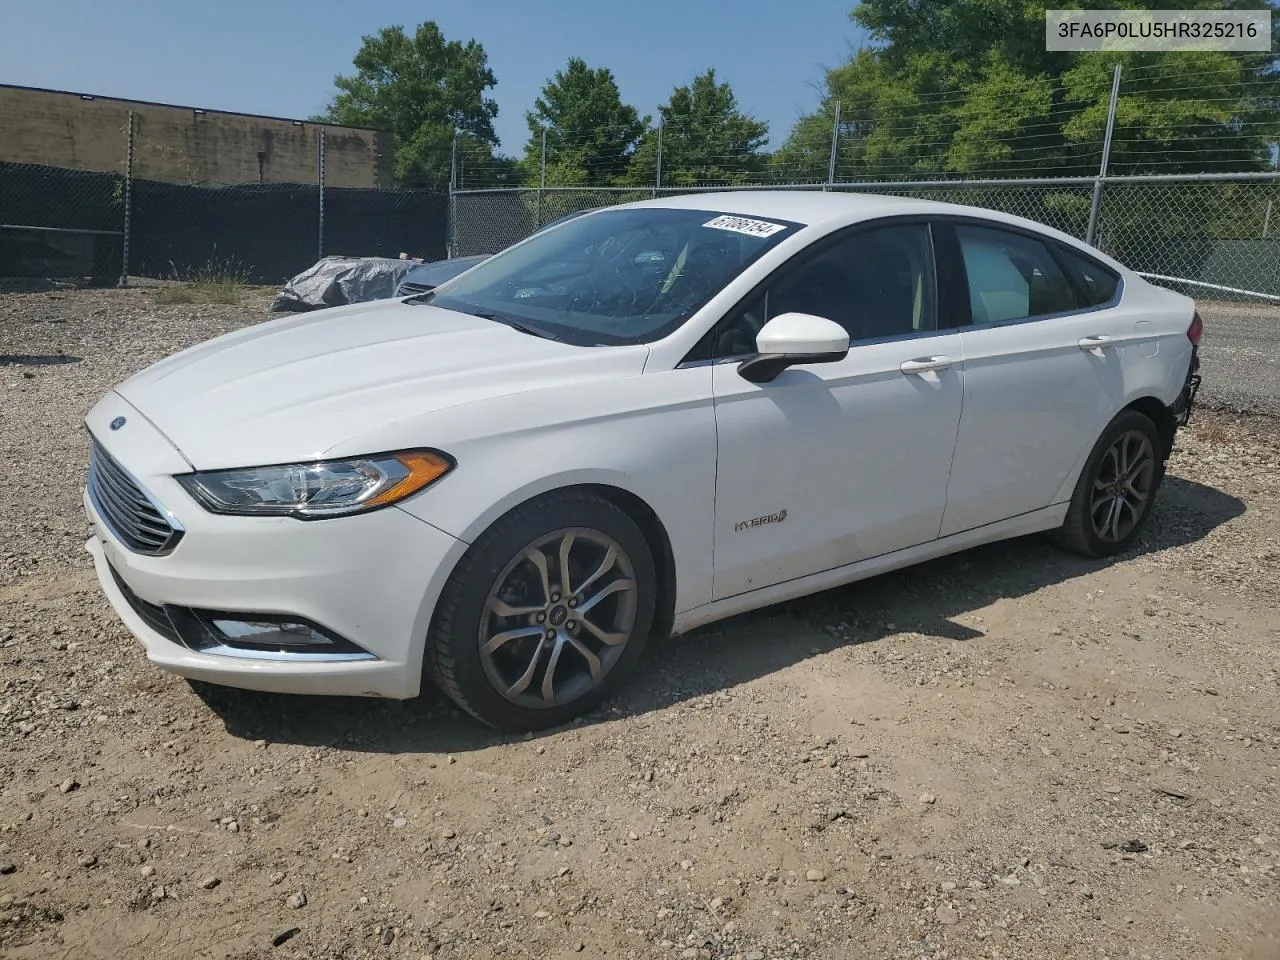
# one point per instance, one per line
(799, 206)
(816, 207)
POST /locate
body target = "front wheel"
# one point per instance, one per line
(546, 613)
(1116, 489)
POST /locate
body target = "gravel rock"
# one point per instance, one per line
(296, 901)
(815, 876)
(284, 936)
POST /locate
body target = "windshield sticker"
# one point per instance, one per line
(752, 228)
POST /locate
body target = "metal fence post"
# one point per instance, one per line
(320, 184)
(1266, 224)
(451, 215)
(835, 149)
(657, 183)
(128, 203)
(1091, 235)
(542, 176)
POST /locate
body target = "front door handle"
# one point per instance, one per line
(1098, 342)
(925, 365)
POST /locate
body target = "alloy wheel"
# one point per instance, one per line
(1123, 486)
(558, 618)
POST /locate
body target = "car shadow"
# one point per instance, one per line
(925, 599)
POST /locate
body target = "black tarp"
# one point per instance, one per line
(260, 232)
(82, 213)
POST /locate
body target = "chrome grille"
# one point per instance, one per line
(132, 515)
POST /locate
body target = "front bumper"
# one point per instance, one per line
(372, 580)
(369, 678)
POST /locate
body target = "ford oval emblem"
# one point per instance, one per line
(117, 423)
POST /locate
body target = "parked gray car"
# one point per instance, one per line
(427, 276)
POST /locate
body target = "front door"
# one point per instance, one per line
(833, 463)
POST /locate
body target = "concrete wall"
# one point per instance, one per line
(183, 144)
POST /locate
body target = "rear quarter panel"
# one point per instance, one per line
(1156, 352)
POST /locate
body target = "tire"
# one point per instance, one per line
(481, 644)
(1091, 528)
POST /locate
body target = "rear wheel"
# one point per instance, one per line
(546, 613)
(1116, 489)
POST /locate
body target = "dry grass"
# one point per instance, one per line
(217, 281)
(1212, 432)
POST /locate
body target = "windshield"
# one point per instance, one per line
(616, 276)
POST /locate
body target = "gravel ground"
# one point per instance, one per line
(1006, 753)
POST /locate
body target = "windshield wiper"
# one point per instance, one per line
(514, 324)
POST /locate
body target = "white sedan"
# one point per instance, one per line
(645, 419)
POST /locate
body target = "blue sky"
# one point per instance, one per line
(279, 57)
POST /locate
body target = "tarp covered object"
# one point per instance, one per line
(338, 280)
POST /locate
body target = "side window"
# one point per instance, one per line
(1011, 276)
(735, 336)
(1096, 283)
(875, 283)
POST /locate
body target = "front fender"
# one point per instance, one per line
(653, 436)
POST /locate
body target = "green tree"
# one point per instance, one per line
(706, 139)
(590, 132)
(423, 89)
(967, 88)
(1210, 111)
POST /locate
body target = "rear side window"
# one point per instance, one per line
(1011, 276)
(1095, 283)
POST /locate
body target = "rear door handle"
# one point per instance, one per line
(925, 365)
(1099, 342)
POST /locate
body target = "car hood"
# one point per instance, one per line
(296, 387)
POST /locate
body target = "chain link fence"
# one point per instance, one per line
(107, 226)
(1209, 232)
(1219, 236)
(56, 222)
(1169, 199)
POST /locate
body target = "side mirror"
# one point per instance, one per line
(794, 338)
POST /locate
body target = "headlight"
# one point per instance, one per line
(324, 488)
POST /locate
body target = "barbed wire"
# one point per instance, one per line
(932, 126)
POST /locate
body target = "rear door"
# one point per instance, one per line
(1042, 369)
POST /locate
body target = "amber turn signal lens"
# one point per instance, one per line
(423, 467)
